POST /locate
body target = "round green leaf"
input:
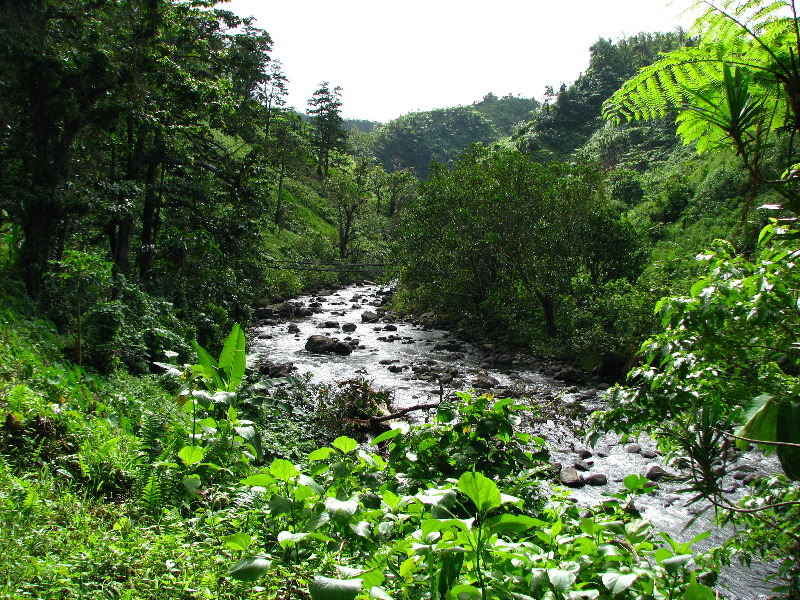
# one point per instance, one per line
(481, 490)
(282, 469)
(345, 444)
(325, 588)
(250, 569)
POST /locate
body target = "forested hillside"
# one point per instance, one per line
(638, 226)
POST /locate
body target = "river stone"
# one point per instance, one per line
(484, 382)
(322, 344)
(331, 325)
(633, 448)
(390, 328)
(583, 453)
(369, 317)
(596, 479)
(292, 328)
(649, 453)
(570, 478)
(657, 473)
(349, 327)
(582, 465)
(449, 345)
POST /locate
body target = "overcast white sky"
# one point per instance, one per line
(392, 58)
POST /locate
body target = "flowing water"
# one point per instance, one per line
(412, 359)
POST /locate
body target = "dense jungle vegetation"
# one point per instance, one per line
(155, 189)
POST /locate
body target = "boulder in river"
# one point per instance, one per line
(596, 479)
(349, 327)
(369, 317)
(322, 344)
(570, 478)
(484, 382)
(449, 345)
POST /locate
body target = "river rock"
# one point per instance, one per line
(633, 448)
(292, 328)
(322, 344)
(449, 345)
(569, 375)
(583, 453)
(582, 465)
(657, 473)
(274, 371)
(596, 479)
(484, 382)
(570, 478)
(649, 454)
(369, 317)
(349, 327)
(390, 328)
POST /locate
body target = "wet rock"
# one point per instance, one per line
(304, 312)
(396, 368)
(570, 478)
(449, 346)
(633, 448)
(582, 465)
(387, 361)
(330, 325)
(569, 375)
(292, 328)
(369, 317)
(484, 382)
(349, 327)
(583, 453)
(649, 453)
(390, 328)
(274, 371)
(322, 344)
(657, 473)
(596, 479)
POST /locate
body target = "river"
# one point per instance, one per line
(411, 359)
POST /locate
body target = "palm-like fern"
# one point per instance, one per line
(749, 35)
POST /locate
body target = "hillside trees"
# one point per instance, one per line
(498, 229)
(572, 114)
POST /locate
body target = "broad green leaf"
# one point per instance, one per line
(511, 523)
(237, 541)
(760, 421)
(676, 563)
(311, 484)
(483, 492)
(282, 469)
(341, 509)
(379, 593)
(466, 592)
(345, 444)
(391, 499)
(407, 567)
(191, 455)
(325, 588)
(362, 529)
(250, 569)
(321, 453)
(262, 480)
(209, 366)
(788, 431)
(280, 505)
(697, 591)
(560, 579)
(287, 539)
(618, 582)
(232, 359)
(386, 435)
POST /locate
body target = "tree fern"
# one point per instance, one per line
(760, 38)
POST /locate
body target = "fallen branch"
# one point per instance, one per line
(401, 413)
(764, 442)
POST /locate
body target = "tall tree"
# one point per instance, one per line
(329, 135)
